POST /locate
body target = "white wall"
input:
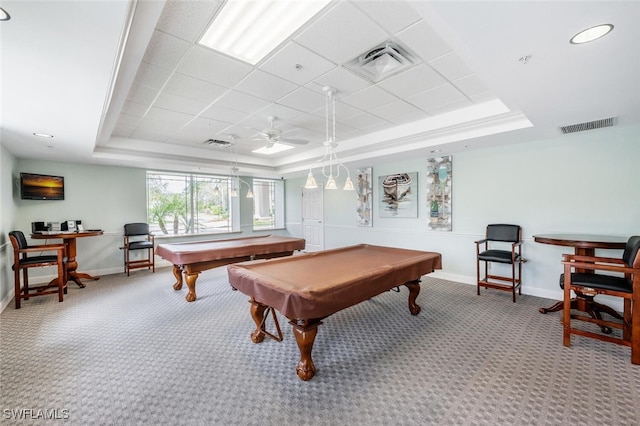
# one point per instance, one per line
(580, 183)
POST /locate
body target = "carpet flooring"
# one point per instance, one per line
(131, 350)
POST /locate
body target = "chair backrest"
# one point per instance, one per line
(18, 240)
(136, 229)
(502, 232)
(630, 255)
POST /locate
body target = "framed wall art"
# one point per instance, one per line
(364, 190)
(439, 171)
(398, 195)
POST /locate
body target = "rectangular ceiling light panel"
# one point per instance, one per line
(250, 29)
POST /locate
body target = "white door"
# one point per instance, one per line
(312, 226)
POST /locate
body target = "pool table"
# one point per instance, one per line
(194, 257)
(309, 287)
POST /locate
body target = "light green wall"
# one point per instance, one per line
(7, 218)
(584, 183)
(580, 183)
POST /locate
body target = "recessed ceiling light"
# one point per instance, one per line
(43, 135)
(4, 16)
(591, 34)
(276, 147)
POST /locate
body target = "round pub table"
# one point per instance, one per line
(69, 239)
(584, 245)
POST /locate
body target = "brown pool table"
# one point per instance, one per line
(195, 257)
(310, 287)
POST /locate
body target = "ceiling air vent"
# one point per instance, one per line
(589, 125)
(382, 61)
(216, 142)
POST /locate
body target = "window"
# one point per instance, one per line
(264, 203)
(268, 204)
(181, 204)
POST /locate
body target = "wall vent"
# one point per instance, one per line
(589, 125)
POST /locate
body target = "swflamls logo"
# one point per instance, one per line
(36, 414)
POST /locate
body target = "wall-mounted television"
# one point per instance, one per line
(41, 187)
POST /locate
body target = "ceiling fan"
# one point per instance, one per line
(272, 135)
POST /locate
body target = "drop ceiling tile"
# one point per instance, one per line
(342, 34)
(180, 104)
(400, 112)
(435, 98)
(366, 122)
(303, 99)
(451, 66)
(134, 108)
(470, 85)
(462, 103)
(241, 102)
(142, 94)
(159, 115)
(343, 80)
(282, 112)
(128, 120)
(412, 81)
(311, 122)
(165, 51)
(227, 115)
(265, 85)
(186, 19)
(369, 98)
(391, 15)
(152, 76)
(207, 65)
(123, 130)
(297, 64)
(423, 41)
(158, 132)
(193, 88)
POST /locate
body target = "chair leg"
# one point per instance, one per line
(513, 281)
(25, 287)
(566, 323)
(17, 292)
(478, 276)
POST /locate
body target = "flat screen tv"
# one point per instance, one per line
(41, 187)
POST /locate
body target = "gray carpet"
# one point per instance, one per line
(131, 350)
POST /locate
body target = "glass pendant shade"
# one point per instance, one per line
(331, 183)
(348, 185)
(311, 182)
(249, 193)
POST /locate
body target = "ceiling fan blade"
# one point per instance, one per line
(294, 141)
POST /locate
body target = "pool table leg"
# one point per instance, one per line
(257, 313)
(177, 272)
(414, 291)
(305, 332)
(190, 277)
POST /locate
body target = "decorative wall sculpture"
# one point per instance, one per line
(364, 190)
(398, 195)
(439, 171)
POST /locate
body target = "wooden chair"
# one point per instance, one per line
(625, 284)
(22, 262)
(487, 251)
(138, 237)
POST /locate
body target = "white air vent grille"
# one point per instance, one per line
(590, 125)
(382, 61)
(216, 142)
